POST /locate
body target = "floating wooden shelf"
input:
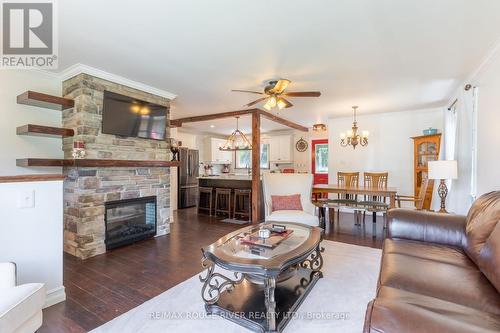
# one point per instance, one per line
(39, 130)
(45, 101)
(47, 162)
(31, 178)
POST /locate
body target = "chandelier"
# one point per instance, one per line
(352, 138)
(236, 141)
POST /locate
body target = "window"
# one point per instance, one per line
(321, 158)
(244, 158)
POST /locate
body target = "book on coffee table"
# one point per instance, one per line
(271, 242)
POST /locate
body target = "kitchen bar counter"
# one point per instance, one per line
(228, 177)
(225, 181)
(229, 181)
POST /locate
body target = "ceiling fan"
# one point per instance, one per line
(275, 93)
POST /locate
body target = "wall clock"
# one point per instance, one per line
(301, 145)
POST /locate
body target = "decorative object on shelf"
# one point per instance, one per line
(430, 131)
(236, 141)
(301, 145)
(78, 149)
(274, 92)
(173, 145)
(443, 170)
(319, 128)
(352, 138)
(225, 168)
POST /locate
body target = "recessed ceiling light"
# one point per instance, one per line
(212, 126)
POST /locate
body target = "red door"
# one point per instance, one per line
(319, 168)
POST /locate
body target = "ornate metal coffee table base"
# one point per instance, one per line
(245, 304)
(266, 307)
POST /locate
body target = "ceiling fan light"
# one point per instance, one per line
(281, 103)
(272, 101)
(267, 106)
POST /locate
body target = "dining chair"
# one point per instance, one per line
(348, 179)
(375, 203)
(417, 200)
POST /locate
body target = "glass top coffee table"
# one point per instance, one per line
(262, 285)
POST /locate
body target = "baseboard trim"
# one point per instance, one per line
(55, 296)
(161, 233)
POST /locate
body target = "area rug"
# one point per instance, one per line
(336, 304)
(235, 221)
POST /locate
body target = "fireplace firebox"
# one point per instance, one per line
(130, 220)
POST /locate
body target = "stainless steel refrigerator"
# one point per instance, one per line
(188, 177)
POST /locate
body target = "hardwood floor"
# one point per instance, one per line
(103, 287)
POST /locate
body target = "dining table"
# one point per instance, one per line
(388, 192)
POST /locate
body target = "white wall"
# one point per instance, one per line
(31, 237)
(390, 146)
(12, 115)
(488, 125)
(486, 81)
(303, 160)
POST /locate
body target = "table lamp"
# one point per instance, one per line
(442, 170)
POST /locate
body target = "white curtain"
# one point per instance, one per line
(448, 144)
(457, 144)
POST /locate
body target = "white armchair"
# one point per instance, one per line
(288, 184)
(20, 306)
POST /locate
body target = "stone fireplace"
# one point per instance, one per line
(88, 189)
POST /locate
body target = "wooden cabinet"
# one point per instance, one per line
(425, 148)
(215, 155)
(280, 148)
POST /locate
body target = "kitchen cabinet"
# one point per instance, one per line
(215, 155)
(280, 148)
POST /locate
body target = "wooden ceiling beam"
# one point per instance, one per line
(231, 114)
(206, 117)
(282, 121)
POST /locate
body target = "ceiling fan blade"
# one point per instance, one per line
(256, 101)
(248, 91)
(279, 87)
(288, 104)
(303, 94)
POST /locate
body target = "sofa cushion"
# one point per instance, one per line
(432, 251)
(397, 310)
(296, 216)
(461, 284)
(489, 259)
(19, 304)
(482, 218)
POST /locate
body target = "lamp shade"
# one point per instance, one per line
(442, 169)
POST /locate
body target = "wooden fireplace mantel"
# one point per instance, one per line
(87, 162)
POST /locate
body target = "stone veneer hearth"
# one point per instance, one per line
(87, 189)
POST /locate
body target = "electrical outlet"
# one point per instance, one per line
(26, 199)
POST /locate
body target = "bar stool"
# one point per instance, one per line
(207, 191)
(223, 201)
(242, 206)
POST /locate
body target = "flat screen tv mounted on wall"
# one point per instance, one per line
(130, 117)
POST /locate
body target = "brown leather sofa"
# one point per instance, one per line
(440, 272)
